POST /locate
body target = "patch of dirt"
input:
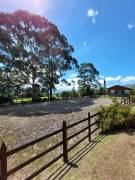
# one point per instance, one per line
(24, 123)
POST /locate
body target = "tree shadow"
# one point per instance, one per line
(72, 163)
(42, 109)
(128, 130)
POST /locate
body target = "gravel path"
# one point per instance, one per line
(23, 123)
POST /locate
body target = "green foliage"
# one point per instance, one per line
(132, 92)
(132, 98)
(5, 99)
(117, 117)
(65, 95)
(99, 91)
(85, 90)
(33, 52)
(69, 94)
(87, 79)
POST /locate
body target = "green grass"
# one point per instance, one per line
(18, 100)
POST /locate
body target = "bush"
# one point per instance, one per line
(99, 92)
(117, 117)
(65, 94)
(132, 98)
(86, 91)
(5, 99)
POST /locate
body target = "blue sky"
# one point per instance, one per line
(101, 31)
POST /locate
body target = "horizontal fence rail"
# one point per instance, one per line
(33, 142)
(33, 159)
(4, 154)
(77, 123)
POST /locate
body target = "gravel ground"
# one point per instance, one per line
(23, 123)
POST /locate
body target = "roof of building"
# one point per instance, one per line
(118, 87)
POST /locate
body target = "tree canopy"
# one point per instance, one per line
(88, 78)
(33, 52)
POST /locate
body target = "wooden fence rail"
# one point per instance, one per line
(4, 154)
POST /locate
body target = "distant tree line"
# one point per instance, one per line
(34, 57)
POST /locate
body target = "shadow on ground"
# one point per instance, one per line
(41, 109)
(129, 131)
(72, 163)
(63, 170)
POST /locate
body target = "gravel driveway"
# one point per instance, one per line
(23, 123)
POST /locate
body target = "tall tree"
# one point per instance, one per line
(88, 78)
(32, 48)
(56, 66)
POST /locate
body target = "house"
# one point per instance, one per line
(119, 91)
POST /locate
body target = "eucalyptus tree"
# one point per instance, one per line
(88, 78)
(33, 50)
(56, 66)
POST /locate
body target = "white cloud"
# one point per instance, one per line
(131, 26)
(92, 14)
(85, 43)
(128, 79)
(110, 81)
(73, 80)
(93, 20)
(101, 81)
(117, 78)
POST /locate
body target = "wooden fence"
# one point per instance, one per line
(4, 154)
(127, 101)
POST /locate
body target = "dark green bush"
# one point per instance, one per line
(5, 99)
(65, 95)
(117, 117)
(132, 98)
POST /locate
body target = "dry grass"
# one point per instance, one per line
(109, 157)
(113, 159)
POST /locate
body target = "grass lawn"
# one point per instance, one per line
(19, 100)
(109, 157)
(113, 158)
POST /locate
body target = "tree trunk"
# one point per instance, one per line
(50, 93)
(33, 93)
(33, 84)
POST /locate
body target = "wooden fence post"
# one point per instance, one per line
(3, 163)
(89, 127)
(65, 150)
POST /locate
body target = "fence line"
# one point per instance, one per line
(126, 101)
(4, 154)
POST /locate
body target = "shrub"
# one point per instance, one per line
(5, 99)
(132, 98)
(65, 94)
(117, 117)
